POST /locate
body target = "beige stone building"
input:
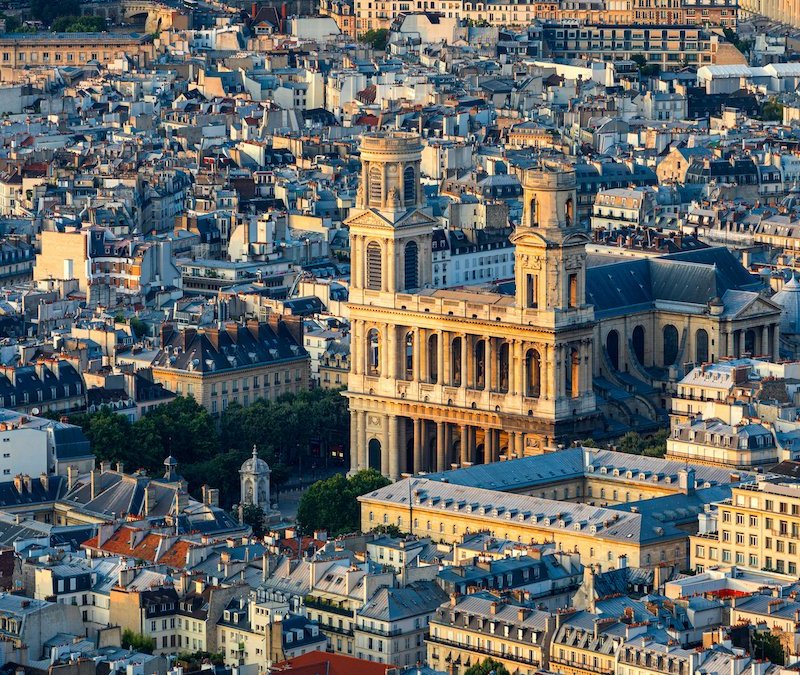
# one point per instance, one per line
(53, 50)
(472, 628)
(234, 364)
(440, 377)
(758, 527)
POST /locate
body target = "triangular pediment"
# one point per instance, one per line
(390, 220)
(758, 305)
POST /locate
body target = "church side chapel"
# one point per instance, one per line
(573, 348)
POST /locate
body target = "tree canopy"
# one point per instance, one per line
(78, 24)
(283, 430)
(377, 39)
(332, 504)
(487, 667)
(48, 10)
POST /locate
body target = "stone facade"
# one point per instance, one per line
(442, 377)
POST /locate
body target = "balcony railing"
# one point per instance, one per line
(483, 651)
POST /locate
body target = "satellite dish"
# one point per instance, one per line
(35, 411)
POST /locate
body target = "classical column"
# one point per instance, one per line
(520, 451)
(448, 444)
(765, 340)
(544, 371)
(513, 371)
(440, 358)
(386, 445)
(465, 457)
(441, 450)
(512, 444)
(356, 364)
(415, 354)
(354, 442)
(361, 445)
(391, 270)
(394, 447)
(469, 363)
(472, 445)
(418, 466)
(391, 351)
(464, 362)
(489, 447)
(447, 361)
(776, 342)
(422, 373)
(488, 357)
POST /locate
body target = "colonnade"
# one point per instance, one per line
(763, 341)
(398, 444)
(473, 361)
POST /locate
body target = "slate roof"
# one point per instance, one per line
(689, 277)
(55, 381)
(395, 604)
(528, 472)
(236, 346)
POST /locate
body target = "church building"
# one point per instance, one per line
(443, 377)
(574, 347)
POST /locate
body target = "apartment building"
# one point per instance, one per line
(93, 255)
(471, 628)
(45, 49)
(758, 528)
(237, 363)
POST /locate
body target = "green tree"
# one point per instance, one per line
(254, 516)
(378, 39)
(772, 111)
(139, 327)
(631, 443)
(768, 646)
(731, 36)
(48, 10)
(487, 667)
(78, 24)
(137, 642)
(13, 24)
(192, 662)
(332, 504)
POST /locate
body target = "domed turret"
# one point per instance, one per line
(254, 481)
(789, 299)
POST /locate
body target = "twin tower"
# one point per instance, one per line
(443, 378)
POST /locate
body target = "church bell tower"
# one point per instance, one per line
(390, 238)
(550, 273)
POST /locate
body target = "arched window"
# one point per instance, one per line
(533, 222)
(612, 347)
(502, 370)
(670, 345)
(409, 187)
(433, 358)
(573, 367)
(701, 346)
(568, 215)
(411, 269)
(409, 356)
(480, 364)
(455, 361)
(374, 266)
(373, 353)
(638, 343)
(374, 454)
(533, 373)
(375, 186)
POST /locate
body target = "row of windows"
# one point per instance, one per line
(45, 57)
(740, 558)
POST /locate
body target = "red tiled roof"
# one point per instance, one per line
(119, 543)
(322, 663)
